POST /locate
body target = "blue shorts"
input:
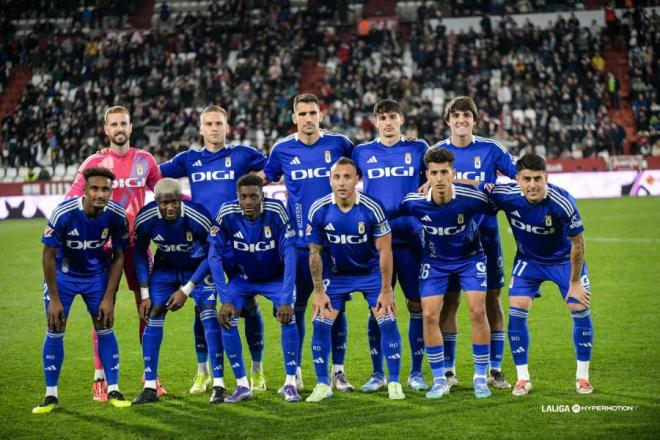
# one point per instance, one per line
(468, 274)
(163, 283)
(527, 276)
(91, 289)
(339, 288)
(406, 270)
(241, 291)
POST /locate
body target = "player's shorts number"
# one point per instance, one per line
(326, 283)
(424, 271)
(519, 267)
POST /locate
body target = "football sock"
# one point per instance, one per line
(391, 346)
(321, 346)
(211, 326)
(53, 355)
(449, 340)
(300, 324)
(234, 349)
(339, 337)
(518, 335)
(254, 334)
(290, 347)
(416, 341)
(109, 353)
(151, 340)
(436, 356)
(373, 335)
(497, 339)
(480, 357)
(583, 337)
(201, 348)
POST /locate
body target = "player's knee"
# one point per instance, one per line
(414, 305)
(430, 316)
(477, 311)
(157, 311)
(574, 307)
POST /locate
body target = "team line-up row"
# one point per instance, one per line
(328, 241)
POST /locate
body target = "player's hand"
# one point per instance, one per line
(176, 301)
(385, 303)
(104, 150)
(144, 309)
(577, 291)
(226, 314)
(107, 312)
(321, 305)
(424, 189)
(285, 313)
(55, 315)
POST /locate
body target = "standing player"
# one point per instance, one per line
(350, 249)
(548, 232)
(479, 159)
(213, 172)
(448, 215)
(391, 168)
(74, 263)
(304, 159)
(136, 171)
(179, 230)
(258, 230)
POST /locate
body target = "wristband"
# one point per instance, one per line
(144, 292)
(188, 288)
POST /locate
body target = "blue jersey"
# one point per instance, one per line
(80, 238)
(264, 249)
(450, 232)
(388, 174)
(348, 239)
(541, 229)
(306, 171)
(213, 176)
(181, 245)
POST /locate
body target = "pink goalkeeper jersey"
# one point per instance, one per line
(136, 171)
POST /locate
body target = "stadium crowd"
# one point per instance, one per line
(538, 89)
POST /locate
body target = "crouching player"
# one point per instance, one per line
(350, 250)
(180, 231)
(74, 263)
(548, 232)
(452, 254)
(263, 243)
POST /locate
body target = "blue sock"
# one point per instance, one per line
(480, 357)
(53, 355)
(449, 340)
(109, 354)
(234, 349)
(290, 346)
(151, 340)
(436, 357)
(300, 325)
(321, 346)
(497, 339)
(416, 341)
(339, 337)
(373, 335)
(391, 347)
(211, 325)
(201, 349)
(518, 335)
(583, 334)
(254, 334)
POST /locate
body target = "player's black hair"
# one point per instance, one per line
(532, 162)
(344, 161)
(306, 97)
(461, 104)
(439, 155)
(250, 180)
(98, 171)
(387, 106)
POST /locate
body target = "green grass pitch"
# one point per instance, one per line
(623, 251)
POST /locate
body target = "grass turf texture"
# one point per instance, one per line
(622, 248)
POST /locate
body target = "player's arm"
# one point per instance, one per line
(78, 186)
(272, 172)
(285, 311)
(321, 301)
(385, 301)
(576, 290)
(154, 172)
(107, 307)
(175, 167)
(55, 312)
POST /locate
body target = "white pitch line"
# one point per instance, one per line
(623, 240)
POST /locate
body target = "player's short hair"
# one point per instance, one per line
(439, 155)
(461, 104)
(532, 162)
(249, 180)
(306, 97)
(116, 109)
(212, 109)
(167, 185)
(98, 172)
(344, 161)
(387, 106)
